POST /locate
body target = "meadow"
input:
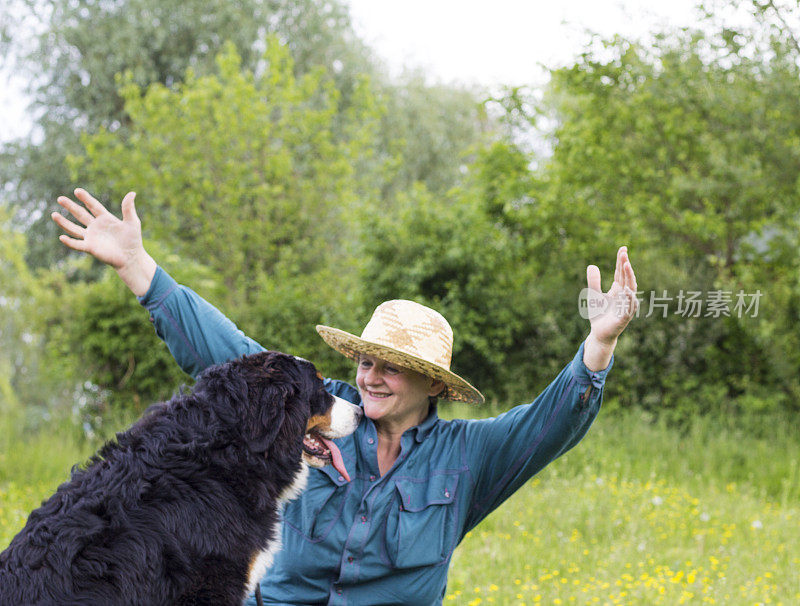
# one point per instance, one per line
(643, 513)
(639, 513)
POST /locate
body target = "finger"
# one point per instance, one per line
(68, 226)
(129, 208)
(621, 252)
(73, 243)
(623, 260)
(633, 302)
(628, 280)
(91, 203)
(593, 278)
(76, 210)
(630, 277)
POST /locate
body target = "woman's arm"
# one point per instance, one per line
(197, 334)
(503, 453)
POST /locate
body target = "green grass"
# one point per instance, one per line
(35, 457)
(641, 513)
(638, 513)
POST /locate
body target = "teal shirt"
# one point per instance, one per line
(389, 539)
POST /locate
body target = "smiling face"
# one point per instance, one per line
(394, 397)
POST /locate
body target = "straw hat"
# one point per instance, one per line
(412, 336)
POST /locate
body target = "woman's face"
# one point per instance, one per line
(394, 396)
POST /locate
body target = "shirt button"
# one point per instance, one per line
(350, 559)
(341, 478)
(363, 518)
(371, 441)
(372, 478)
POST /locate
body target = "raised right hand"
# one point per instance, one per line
(102, 235)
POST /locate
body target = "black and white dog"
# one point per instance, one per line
(183, 507)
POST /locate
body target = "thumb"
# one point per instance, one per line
(129, 208)
(593, 278)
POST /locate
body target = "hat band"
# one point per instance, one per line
(439, 359)
(352, 346)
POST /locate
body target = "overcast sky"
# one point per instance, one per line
(502, 41)
(487, 42)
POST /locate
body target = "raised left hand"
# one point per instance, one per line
(611, 311)
(620, 300)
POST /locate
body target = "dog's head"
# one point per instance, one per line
(283, 407)
(336, 418)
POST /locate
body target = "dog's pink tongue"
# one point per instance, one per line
(337, 460)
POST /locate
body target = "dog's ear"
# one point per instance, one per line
(267, 408)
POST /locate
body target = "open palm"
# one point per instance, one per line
(99, 233)
(619, 304)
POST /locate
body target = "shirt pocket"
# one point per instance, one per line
(315, 512)
(421, 530)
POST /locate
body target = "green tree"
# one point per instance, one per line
(345, 154)
(243, 171)
(428, 134)
(32, 374)
(81, 47)
(687, 150)
(242, 176)
(14, 277)
(513, 315)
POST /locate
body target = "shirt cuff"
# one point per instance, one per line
(160, 287)
(584, 376)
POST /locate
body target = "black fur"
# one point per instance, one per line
(173, 510)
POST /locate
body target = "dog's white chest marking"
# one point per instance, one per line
(261, 563)
(294, 489)
(264, 559)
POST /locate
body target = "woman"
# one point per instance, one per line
(417, 483)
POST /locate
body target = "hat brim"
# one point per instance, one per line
(347, 344)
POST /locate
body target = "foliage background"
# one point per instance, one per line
(288, 179)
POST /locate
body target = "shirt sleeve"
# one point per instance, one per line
(506, 451)
(196, 333)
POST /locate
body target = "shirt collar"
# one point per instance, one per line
(424, 428)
